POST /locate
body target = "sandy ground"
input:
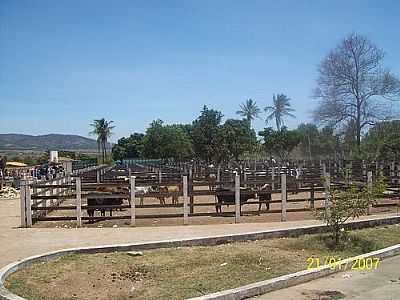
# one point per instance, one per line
(382, 283)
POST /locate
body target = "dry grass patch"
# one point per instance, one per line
(180, 273)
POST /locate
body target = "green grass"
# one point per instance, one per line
(185, 272)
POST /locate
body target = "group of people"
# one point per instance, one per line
(48, 171)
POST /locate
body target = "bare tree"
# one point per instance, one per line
(353, 86)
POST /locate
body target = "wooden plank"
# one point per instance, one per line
(28, 206)
(283, 198)
(369, 185)
(23, 203)
(132, 201)
(78, 202)
(185, 201)
(237, 199)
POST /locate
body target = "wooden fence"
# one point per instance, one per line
(39, 200)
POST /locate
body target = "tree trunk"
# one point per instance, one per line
(337, 234)
(309, 147)
(99, 150)
(105, 150)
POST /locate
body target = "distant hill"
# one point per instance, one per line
(46, 142)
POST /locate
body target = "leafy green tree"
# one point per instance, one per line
(205, 132)
(309, 139)
(102, 129)
(280, 143)
(180, 145)
(317, 143)
(221, 152)
(166, 141)
(249, 110)
(237, 137)
(383, 141)
(348, 204)
(329, 143)
(187, 128)
(279, 110)
(154, 140)
(130, 147)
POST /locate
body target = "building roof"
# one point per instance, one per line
(15, 164)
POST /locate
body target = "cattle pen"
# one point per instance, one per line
(143, 194)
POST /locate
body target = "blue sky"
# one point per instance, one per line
(64, 63)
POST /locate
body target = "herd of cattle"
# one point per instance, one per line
(112, 198)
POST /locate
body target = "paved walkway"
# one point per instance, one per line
(17, 243)
(382, 283)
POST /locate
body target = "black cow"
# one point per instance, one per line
(264, 196)
(227, 197)
(93, 203)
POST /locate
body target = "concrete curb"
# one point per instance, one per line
(200, 241)
(285, 281)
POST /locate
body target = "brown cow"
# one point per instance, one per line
(174, 190)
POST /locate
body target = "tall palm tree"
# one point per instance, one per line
(280, 109)
(249, 110)
(103, 130)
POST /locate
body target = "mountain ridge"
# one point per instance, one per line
(52, 141)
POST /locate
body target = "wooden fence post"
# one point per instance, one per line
(57, 189)
(347, 175)
(237, 198)
(245, 179)
(190, 187)
(273, 178)
(23, 203)
(44, 201)
(28, 205)
(65, 182)
(364, 168)
(327, 193)
(392, 172)
(398, 173)
(51, 192)
(132, 198)
(185, 201)
(312, 196)
(159, 176)
(78, 201)
(283, 198)
(34, 190)
(369, 186)
(69, 182)
(98, 176)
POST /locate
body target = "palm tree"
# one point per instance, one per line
(103, 130)
(280, 109)
(249, 110)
